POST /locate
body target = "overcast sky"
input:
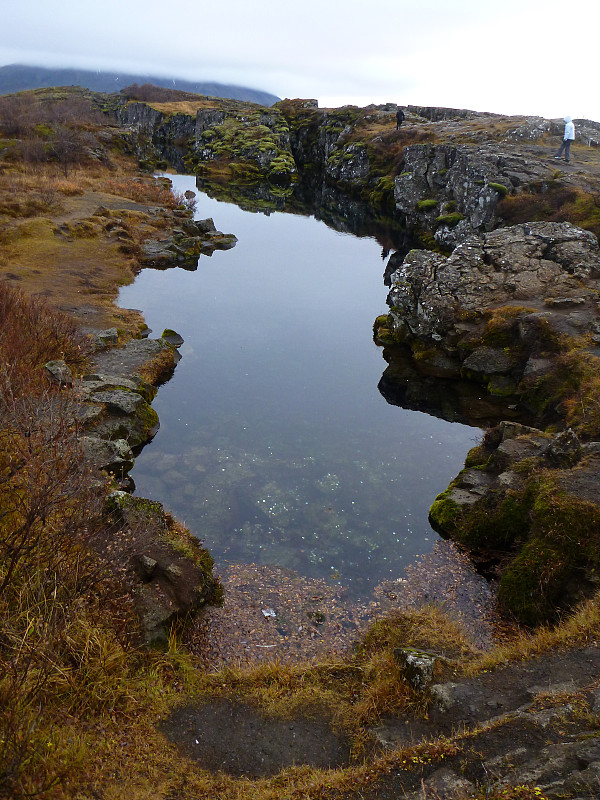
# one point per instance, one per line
(507, 56)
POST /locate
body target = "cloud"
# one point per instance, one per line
(510, 57)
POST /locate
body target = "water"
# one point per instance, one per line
(275, 445)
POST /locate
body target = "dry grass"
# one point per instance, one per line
(189, 107)
(148, 192)
(580, 628)
(55, 247)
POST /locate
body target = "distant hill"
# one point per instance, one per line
(18, 77)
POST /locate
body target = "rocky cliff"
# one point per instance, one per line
(515, 310)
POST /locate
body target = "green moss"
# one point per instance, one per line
(497, 521)
(501, 386)
(549, 571)
(449, 219)
(43, 130)
(383, 330)
(426, 205)
(257, 149)
(500, 188)
(529, 586)
(445, 514)
(382, 196)
(477, 456)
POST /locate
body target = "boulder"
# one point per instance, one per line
(417, 666)
(172, 338)
(112, 455)
(106, 339)
(59, 373)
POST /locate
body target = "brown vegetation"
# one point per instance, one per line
(74, 238)
(148, 93)
(50, 507)
(558, 203)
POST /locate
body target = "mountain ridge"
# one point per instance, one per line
(20, 77)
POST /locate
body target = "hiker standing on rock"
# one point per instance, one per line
(399, 118)
(568, 137)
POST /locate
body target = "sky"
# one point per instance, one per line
(505, 56)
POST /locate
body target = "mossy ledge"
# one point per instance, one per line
(527, 509)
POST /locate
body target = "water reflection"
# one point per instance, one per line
(275, 444)
(407, 384)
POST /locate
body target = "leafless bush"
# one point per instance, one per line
(31, 333)
(33, 150)
(186, 199)
(50, 510)
(48, 193)
(16, 115)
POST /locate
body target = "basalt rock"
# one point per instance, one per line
(500, 303)
(509, 308)
(59, 372)
(184, 247)
(527, 507)
(453, 190)
(116, 400)
(112, 456)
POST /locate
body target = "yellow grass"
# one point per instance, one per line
(54, 246)
(185, 106)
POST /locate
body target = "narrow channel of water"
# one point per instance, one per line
(275, 445)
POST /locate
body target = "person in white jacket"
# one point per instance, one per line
(568, 137)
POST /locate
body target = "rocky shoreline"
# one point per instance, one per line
(163, 566)
(516, 311)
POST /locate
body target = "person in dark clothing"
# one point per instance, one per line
(399, 118)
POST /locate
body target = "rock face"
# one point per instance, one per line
(441, 176)
(454, 190)
(257, 137)
(515, 310)
(115, 414)
(527, 507)
(541, 278)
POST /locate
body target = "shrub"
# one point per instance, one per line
(148, 93)
(50, 507)
(145, 191)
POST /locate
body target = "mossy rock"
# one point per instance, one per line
(449, 219)
(499, 188)
(530, 586)
(426, 205)
(445, 513)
